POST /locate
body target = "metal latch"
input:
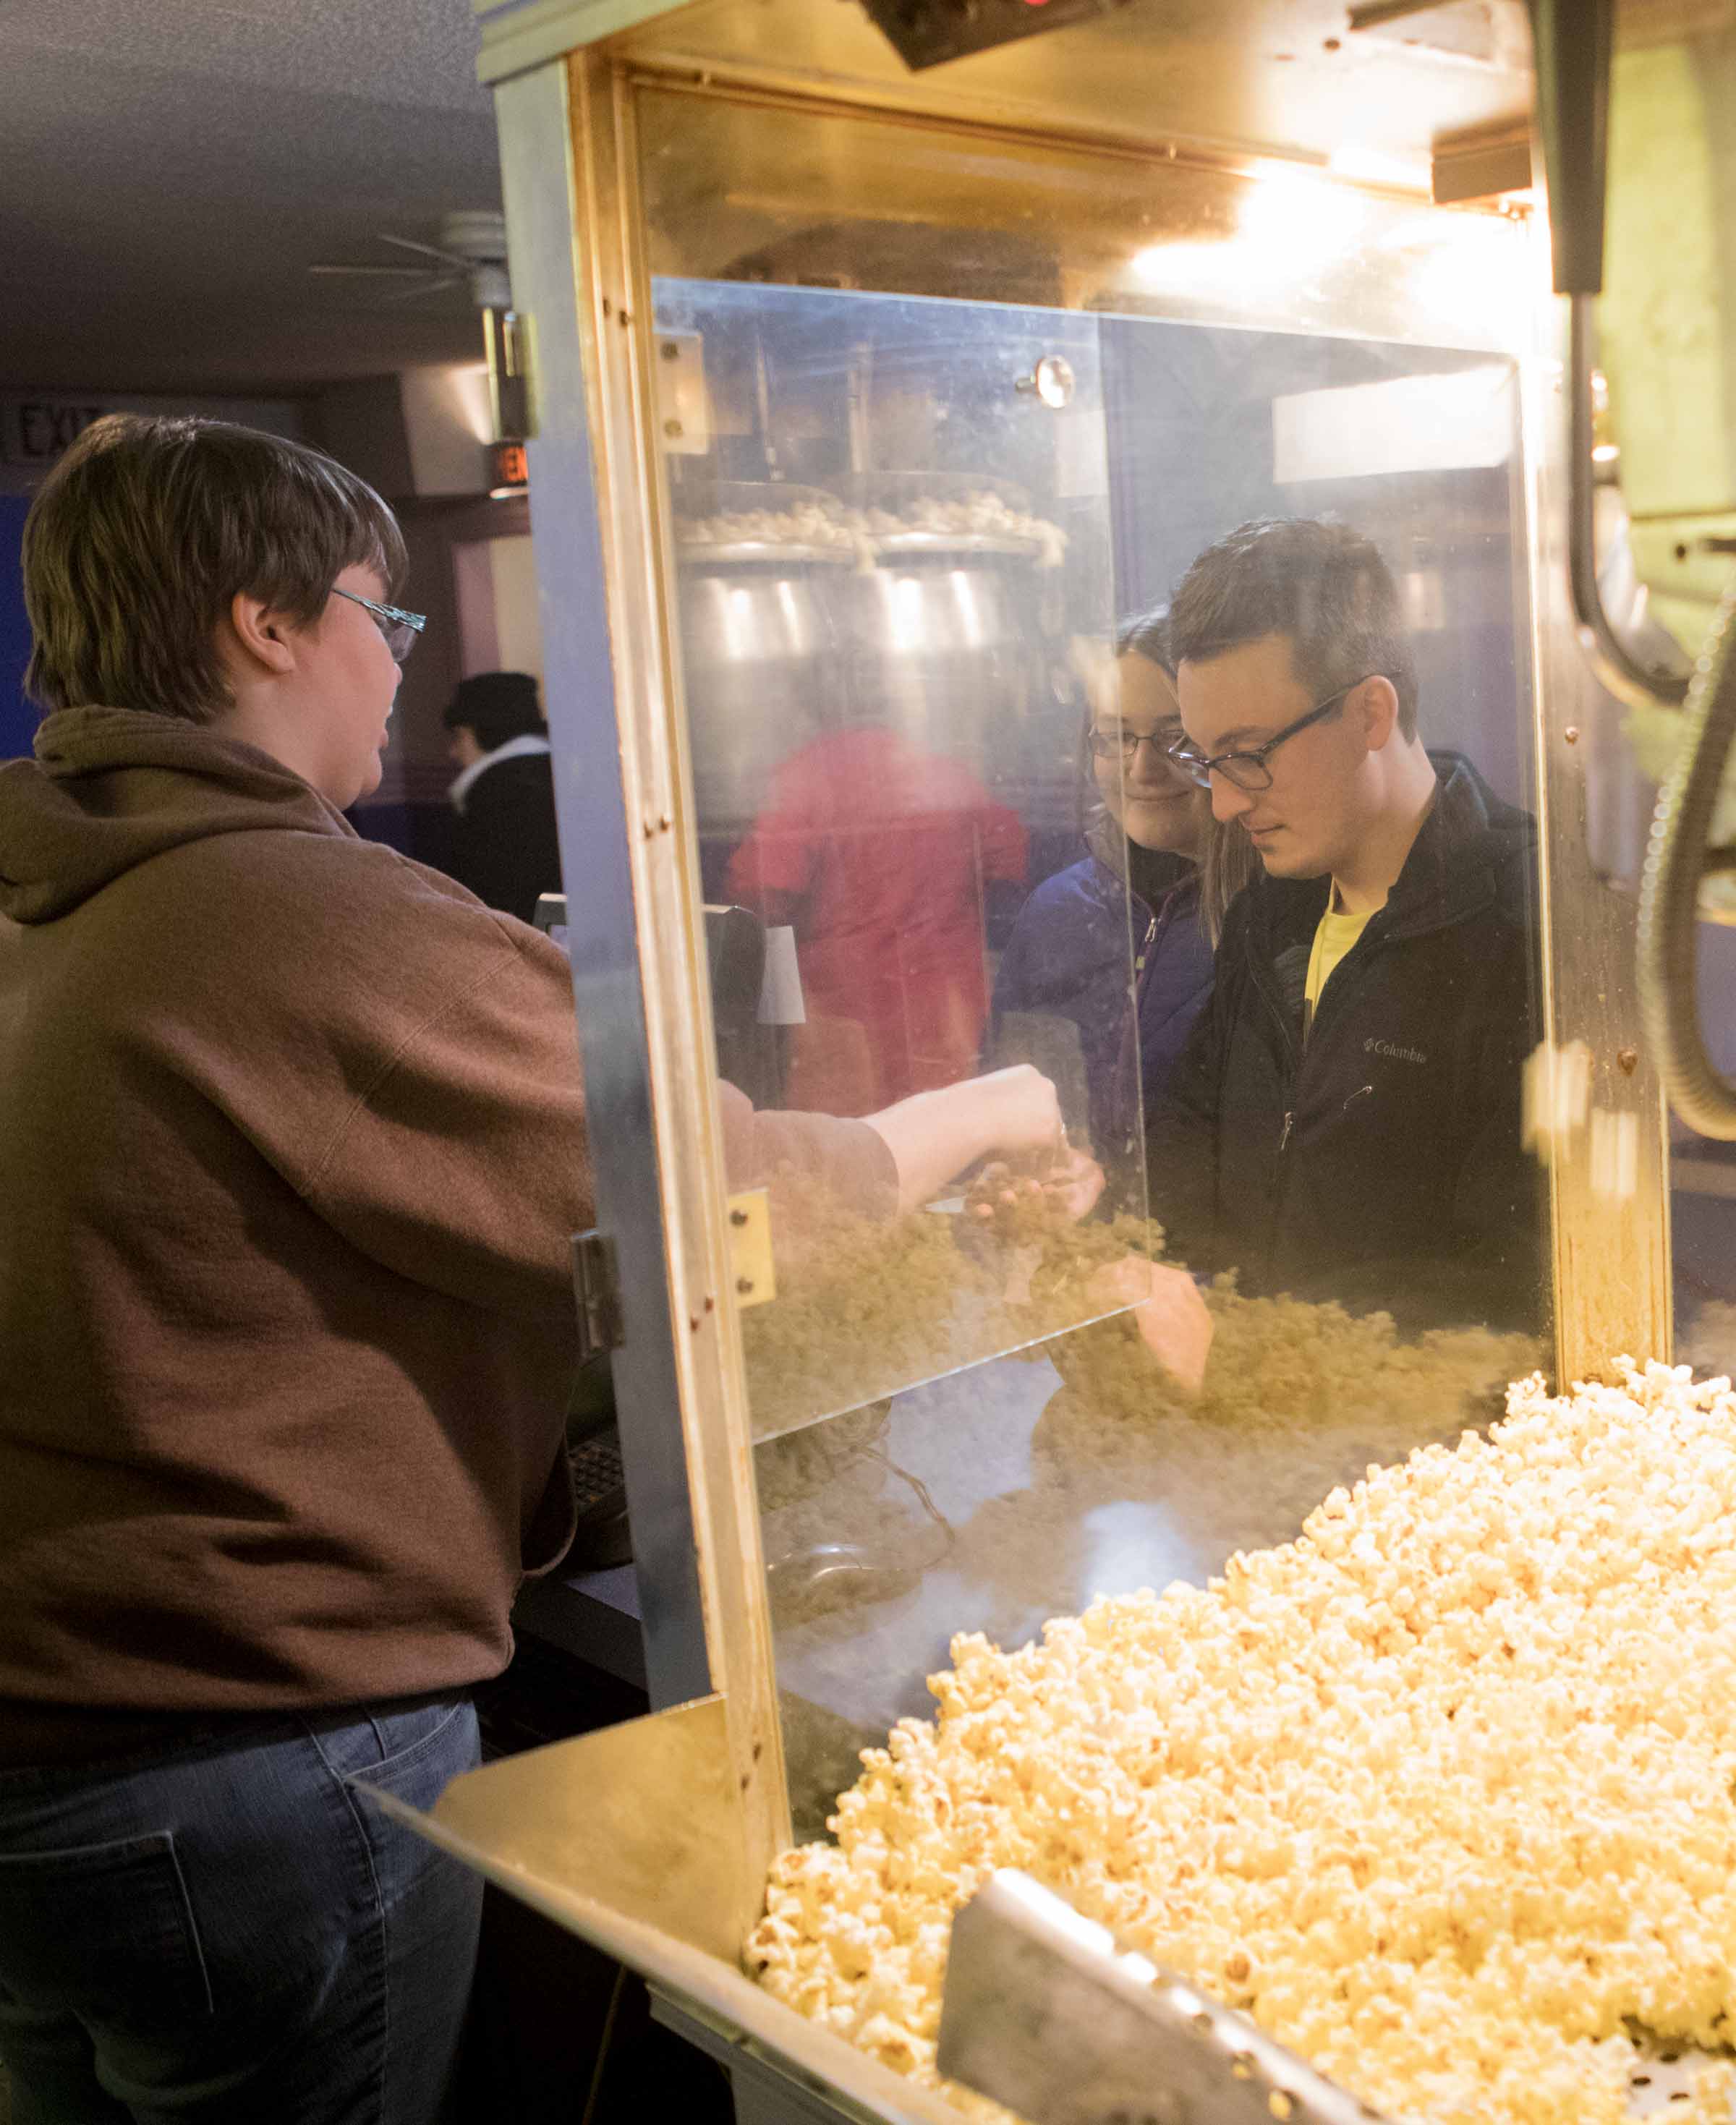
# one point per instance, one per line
(597, 1286)
(506, 342)
(751, 1270)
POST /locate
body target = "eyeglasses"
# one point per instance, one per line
(1123, 745)
(1248, 770)
(399, 627)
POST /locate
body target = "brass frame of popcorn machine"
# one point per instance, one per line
(654, 1838)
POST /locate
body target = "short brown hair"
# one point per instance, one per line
(1320, 583)
(148, 528)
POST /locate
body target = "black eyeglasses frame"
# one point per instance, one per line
(1124, 745)
(1253, 761)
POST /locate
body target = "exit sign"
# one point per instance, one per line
(35, 430)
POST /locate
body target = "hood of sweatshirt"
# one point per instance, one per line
(110, 789)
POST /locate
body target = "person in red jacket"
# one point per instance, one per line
(884, 859)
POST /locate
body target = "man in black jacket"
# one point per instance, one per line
(503, 843)
(1346, 1121)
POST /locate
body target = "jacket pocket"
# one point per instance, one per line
(106, 1930)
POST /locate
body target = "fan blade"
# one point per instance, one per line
(431, 284)
(428, 250)
(371, 272)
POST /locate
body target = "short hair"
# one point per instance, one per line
(496, 705)
(1147, 634)
(1317, 582)
(146, 530)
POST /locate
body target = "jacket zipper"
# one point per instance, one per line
(1293, 1060)
(1129, 1091)
(1296, 1058)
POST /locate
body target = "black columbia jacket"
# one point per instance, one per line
(1381, 1164)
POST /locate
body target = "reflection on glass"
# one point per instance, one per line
(883, 858)
(1074, 1477)
(944, 780)
(1350, 1123)
(1153, 853)
(886, 558)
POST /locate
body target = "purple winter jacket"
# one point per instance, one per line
(1068, 958)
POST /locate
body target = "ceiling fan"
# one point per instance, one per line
(471, 253)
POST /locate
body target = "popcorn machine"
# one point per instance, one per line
(881, 362)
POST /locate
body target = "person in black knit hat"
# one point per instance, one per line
(503, 842)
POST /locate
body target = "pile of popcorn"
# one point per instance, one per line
(808, 524)
(983, 514)
(1441, 1792)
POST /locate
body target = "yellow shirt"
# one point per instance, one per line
(1333, 938)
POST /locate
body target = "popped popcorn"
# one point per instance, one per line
(811, 523)
(1443, 1791)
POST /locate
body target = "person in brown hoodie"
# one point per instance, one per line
(291, 1146)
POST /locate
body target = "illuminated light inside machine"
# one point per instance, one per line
(1292, 222)
(1184, 265)
(1372, 166)
(1416, 231)
(971, 611)
(1288, 210)
(1480, 270)
(1606, 453)
(906, 615)
(1288, 225)
(787, 605)
(739, 644)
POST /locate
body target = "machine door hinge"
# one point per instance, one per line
(596, 1286)
(750, 1248)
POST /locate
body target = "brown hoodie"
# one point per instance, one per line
(292, 1142)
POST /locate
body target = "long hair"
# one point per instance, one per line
(1227, 861)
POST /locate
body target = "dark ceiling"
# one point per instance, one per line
(168, 169)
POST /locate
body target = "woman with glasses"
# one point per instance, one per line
(1150, 842)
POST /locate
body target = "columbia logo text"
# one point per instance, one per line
(1394, 1052)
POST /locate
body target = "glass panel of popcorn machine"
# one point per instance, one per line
(970, 592)
(894, 587)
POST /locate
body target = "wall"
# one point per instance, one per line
(17, 718)
(452, 578)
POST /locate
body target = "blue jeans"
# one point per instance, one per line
(228, 1932)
